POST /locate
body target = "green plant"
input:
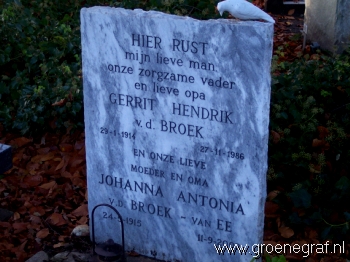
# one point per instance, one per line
(308, 151)
(40, 85)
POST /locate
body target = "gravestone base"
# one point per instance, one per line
(5, 158)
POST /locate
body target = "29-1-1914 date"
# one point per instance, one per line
(106, 131)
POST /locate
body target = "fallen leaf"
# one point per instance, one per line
(291, 11)
(275, 137)
(56, 219)
(43, 158)
(44, 150)
(272, 194)
(323, 132)
(43, 233)
(77, 161)
(35, 219)
(271, 209)
(66, 147)
(318, 143)
(286, 232)
(81, 211)
(37, 211)
(62, 102)
(79, 144)
(16, 216)
(31, 181)
(21, 141)
(19, 227)
(60, 244)
(83, 221)
(49, 185)
(60, 165)
(5, 224)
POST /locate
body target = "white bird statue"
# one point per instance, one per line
(243, 10)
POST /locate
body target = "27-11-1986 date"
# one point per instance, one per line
(106, 131)
(221, 152)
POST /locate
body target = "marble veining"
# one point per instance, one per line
(176, 119)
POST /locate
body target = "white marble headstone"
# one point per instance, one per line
(176, 122)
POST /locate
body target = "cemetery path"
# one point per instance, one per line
(44, 196)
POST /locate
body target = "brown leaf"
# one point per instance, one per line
(43, 158)
(77, 161)
(318, 143)
(16, 216)
(272, 194)
(291, 11)
(43, 233)
(62, 102)
(60, 244)
(19, 227)
(31, 167)
(49, 185)
(66, 174)
(315, 169)
(76, 181)
(275, 137)
(66, 147)
(56, 219)
(81, 211)
(286, 232)
(323, 132)
(37, 211)
(62, 238)
(60, 165)
(35, 219)
(42, 151)
(21, 141)
(79, 144)
(82, 221)
(271, 209)
(5, 224)
(31, 181)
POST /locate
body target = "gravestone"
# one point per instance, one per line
(176, 122)
(5, 158)
(328, 24)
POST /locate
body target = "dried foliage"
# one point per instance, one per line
(46, 190)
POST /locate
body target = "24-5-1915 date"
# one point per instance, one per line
(127, 220)
(106, 131)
